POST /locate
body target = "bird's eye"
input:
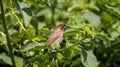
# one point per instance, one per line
(65, 26)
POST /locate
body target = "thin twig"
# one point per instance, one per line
(70, 46)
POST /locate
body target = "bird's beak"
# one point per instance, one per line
(68, 27)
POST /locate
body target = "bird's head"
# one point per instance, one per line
(62, 26)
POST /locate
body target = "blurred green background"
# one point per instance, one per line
(93, 39)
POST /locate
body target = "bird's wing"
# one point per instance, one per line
(54, 36)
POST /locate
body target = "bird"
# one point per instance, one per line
(56, 36)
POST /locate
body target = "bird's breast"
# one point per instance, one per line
(57, 41)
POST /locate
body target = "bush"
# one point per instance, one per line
(91, 41)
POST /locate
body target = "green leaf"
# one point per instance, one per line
(33, 3)
(115, 45)
(76, 62)
(88, 59)
(67, 53)
(94, 7)
(26, 18)
(19, 61)
(54, 63)
(60, 56)
(26, 12)
(78, 6)
(31, 46)
(46, 31)
(16, 37)
(44, 12)
(7, 59)
(92, 18)
(71, 33)
(103, 38)
(115, 9)
(115, 34)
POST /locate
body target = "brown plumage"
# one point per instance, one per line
(56, 35)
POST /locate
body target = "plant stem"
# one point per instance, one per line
(53, 5)
(7, 35)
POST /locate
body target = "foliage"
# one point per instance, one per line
(91, 41)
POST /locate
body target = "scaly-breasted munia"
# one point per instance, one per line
(56, 36)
